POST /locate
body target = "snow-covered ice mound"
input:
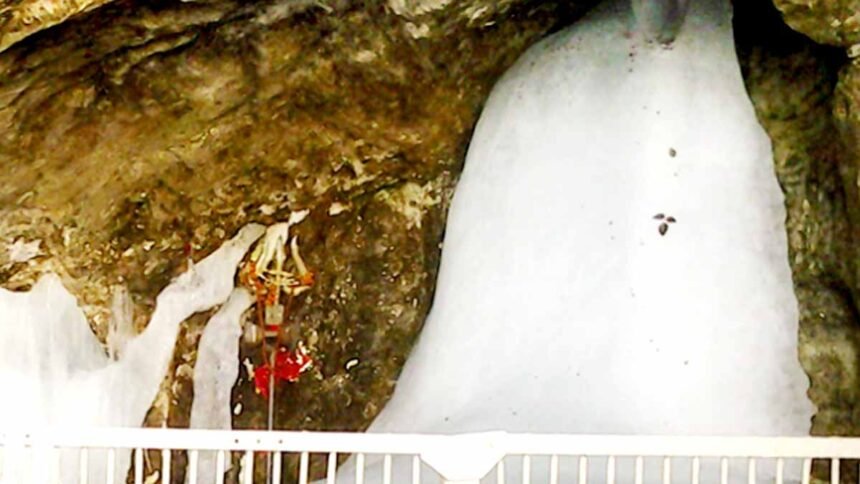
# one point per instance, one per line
(562, 305)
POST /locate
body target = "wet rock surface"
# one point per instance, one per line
(832, 22)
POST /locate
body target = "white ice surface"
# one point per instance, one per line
(55, 374)
(215, 373)
(559, 307)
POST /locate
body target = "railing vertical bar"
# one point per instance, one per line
(416, 470)
(724, 471)
(694, 478)
(138, 466)
(751, 474)
(834, 471)
(639, 469)
(331, 468)
(165, 466)
(193, 458)
(807, 470)
(386, 469)
(248, 467)
(110, 466)
(276, 458)
(667, 470)
(500, 472)
(303, 468)
(54, 463)
(553, 469)
(583, 470)
(219, 467)
(780, 470)
(84, 466)
(610, 470)
(527, 469)
(359, 468)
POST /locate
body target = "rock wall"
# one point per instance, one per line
(793, 83)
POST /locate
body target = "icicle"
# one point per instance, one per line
(120, 329)
(659, 20)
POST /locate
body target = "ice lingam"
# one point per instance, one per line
(615, 259)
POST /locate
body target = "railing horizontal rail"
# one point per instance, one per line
(412, 444)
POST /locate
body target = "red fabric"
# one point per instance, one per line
(289, 365)
(261, 380)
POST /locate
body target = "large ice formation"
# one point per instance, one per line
(56, 376)
(562, 305)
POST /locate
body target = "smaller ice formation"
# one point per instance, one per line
(215, 373)
(56, 375)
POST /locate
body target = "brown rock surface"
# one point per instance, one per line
(833, 22)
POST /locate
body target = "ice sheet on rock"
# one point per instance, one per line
(215, 373)
(57, 374)
(207, 284)
(559, 306)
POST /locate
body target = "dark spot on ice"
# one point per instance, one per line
(664, 225)
(672, 152)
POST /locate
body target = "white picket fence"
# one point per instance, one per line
(97, 456)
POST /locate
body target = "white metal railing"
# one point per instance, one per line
(105, 456)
